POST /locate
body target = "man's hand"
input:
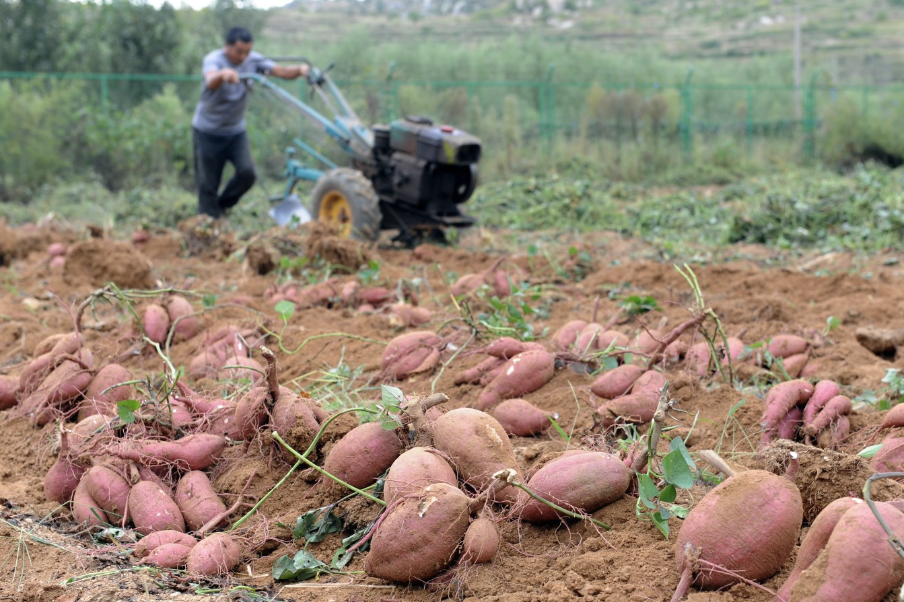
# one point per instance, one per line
(303, 70)
(290, 72)
(230, 76)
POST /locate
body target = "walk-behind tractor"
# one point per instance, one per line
(410, 176)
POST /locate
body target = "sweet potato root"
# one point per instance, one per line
(481, 541)
(411, 353)
(156, 323)
(197, 500)
(414, 470)
(822, 393)
(786, 345)
(109, 490)
(636, 408)
(9, 387)
(780, 400)
(64, 476)
(521, 418)
(216, 554)
(152, 509)
(363, 454)
(616, 382)
(194, 452)
(100, 398)
(836, 407)
(168, 556)
(891, 457)
(566, 336)
(524, 373)
(473, 375)
(159, 538)
(187, 326)
(85, 510)
(894, 418)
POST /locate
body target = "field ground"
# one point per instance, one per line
(757, 291)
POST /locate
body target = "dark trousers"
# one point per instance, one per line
(211, 154)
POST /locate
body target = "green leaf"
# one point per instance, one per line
(679, 511)
(342, 556)
(126, 410)
(392, 398)
(303, 566)
(610, 363)
(676, 471)
(668, 494)
(678, 443)
(315, 525)
(890, 375)
(664, 512)
(736, 407)
(558, 428)
(532, 250)
(285, 309)
(832, 323)
(661, 524)
(208, 301)
(648, 490)
(870, 451)
(572, 251)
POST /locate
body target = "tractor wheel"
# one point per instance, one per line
(344, 198)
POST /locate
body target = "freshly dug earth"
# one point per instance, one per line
(542, 562)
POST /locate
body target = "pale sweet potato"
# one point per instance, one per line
(9, 387)
(583, 482)
(152, 509)
(168, 556)
(566, 336)
(363, 454)
(216, 554)
(521, 418)
(159, 538)
(410, 354)
(616, 382)
(85, 510)
(419, 536)
(197, 500)
(64, 476)
(414, 470)
(524, 373)
(822, 393)
(156, 323)
(109, 490)
(481, 542)
(786, 345)
(184, 324)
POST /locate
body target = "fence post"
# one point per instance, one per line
(810, 120)
(104, 93)
(550, 108)
(687, 118)
(748, 125)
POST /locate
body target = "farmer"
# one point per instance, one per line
(218, 126)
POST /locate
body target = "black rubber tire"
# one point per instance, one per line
(362, 199)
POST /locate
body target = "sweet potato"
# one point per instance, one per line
(9, 387)
(70, 344)
(786, 345)
(780, 400)
(64, 384)
(208, 362)
(506, 347)
(478, 447)
(56, 249)
(650, 383)
(524, 373)
(835, 434)
(156, 323)
(794, 364)
(411, 353)
(582, 482)
(216, 554)
(418, 537)
(857, 563)
(721, 531)
(184, 324)
(152, 509)
(466, 284)
(566, 336)
(787, 428)
(402, 315)
(64, 476)
(589, 338)
(90, 426)
(251, 411)
(521, 418)
(473, 375)
(815, 541)
(481, 541)
(85, 510)
(822, 393)
(194, 452)
(252, 370)
(414, 470)
(160, 538)
(894, 418)
(616, 382)
(636, 408)
(363, 454)
(836, 407)
(647, 341)
(891, 457)
(294, 419)
(47, 344)
(197, 500)
(100, 398)
(109, 490)
(168, 556)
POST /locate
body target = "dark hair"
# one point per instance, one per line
(237, 34)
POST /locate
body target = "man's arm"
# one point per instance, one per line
(289, 72)
(215, 78)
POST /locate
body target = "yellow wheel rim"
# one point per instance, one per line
(335, 210)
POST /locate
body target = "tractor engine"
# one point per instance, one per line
(425, 170)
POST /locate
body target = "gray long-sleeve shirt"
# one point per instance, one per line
(222, 111)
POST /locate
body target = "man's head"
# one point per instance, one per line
(238, 45)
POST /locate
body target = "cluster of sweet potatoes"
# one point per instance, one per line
(797, 409)
(338, 292)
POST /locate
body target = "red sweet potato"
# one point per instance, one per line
(291, 410)
(836, 407)
(85, 510)
(857, 563)
(64, 384)
(152, 509)
(481, 541)
(478, 447)
(815, 541)
(616, 382)
(505, 348)
(891, 457)
(521, 418)
(566, 336)
(414, 470)
(894, 418)
(589, 338)
(252, 371)
(156, 323)
(168, 556)
(197, 500)
(787, 428)
(109, 490)
(418, 537)
(582, 482)
(56, 249)
(780, 400)
(208, 362)
(650, 383)
(466, 284)
(35, 372)
(753, 547)
(363, 454)
(411, 353)
(64, 476)
(402, 315)
(786, 345)
(822, 393)
(47, 344)
(636, 408)
(794, 364)
(100, 398)
(251, 411)
(216, 554)
(9, 387)
(647, 341)
(184, 324)
(473, 375)
(160, 538)
(832, 436)
(194, 452)
(524, 373)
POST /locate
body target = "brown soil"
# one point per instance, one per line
(757, 292)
